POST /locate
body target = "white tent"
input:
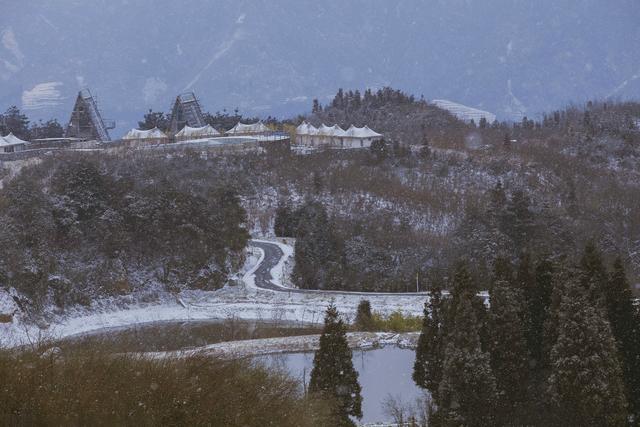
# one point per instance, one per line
(154, 133)
(188, 132)
(363, 132)
(356, 137)
(11, 143)
(307, 134)
(337, 131)
(247, 129)
(335, 136)
(12, 139)
(325, 130)
(303, 129)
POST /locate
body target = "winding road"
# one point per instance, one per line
(272, 256)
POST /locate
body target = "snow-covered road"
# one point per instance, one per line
(252, 299)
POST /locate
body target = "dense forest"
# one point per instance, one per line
(559, 344)
(77, 227)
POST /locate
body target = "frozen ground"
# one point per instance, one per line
(244, 301)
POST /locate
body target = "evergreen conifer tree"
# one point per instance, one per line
(585, 385)
(518, 221)
(364, 317)
(427, 369)
(593, 274)
(317, 252)
(498, 200)
(467, 391)
(425, 148)
(14, 121)
(502, 270)
(283, 225)
(538, 293)
(333, 374)
(625, 325)
(508, 349)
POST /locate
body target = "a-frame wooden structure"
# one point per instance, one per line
(86, 121)
(186, 111)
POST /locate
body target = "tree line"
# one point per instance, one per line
(557, 344)
(16, 122)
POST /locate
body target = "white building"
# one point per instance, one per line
(335, 137)
(11, 144)
(248, 129)
(187, 133)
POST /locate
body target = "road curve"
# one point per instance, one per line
(272, 256)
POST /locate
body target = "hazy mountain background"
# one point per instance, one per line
(511, 57)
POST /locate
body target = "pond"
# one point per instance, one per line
(383, 373)
(182, 335)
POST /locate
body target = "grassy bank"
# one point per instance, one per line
(394, 322)
(94, 388)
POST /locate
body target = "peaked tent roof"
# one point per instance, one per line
(306, 129)
(240, 128)
(188, 131)
(303, 129)
(144, 134)
(335, 130)
(338, 131)
(363, 132)
(325, 130)
(11, 139)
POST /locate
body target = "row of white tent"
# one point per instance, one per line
(189, 132)
(248, 129)
(11, 143)
(155, 134)
(335, 136)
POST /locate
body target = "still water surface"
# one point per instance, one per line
(382, 373)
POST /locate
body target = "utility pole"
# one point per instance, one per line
(417, 281)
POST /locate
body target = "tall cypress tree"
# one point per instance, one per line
(333, 374)
(518, 221)
(625, 325)
(317, 253)
(364, 317)
(593, 274)
(538, 296)
(508, 348)
(427, 369)
(585, 385)
(467, 391)
(283, 225)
